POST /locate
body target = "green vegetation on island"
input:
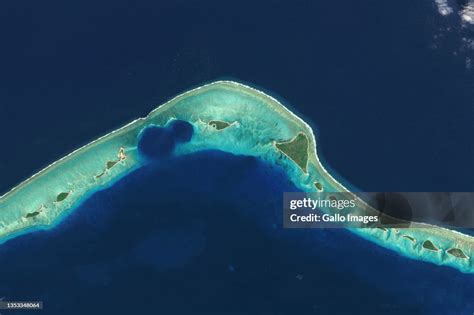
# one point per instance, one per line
(62, 196)
(318, 186)
(296, 149)
(429, 245)
(456, 252)
(32, 214)
(111, 164)
(218, 124)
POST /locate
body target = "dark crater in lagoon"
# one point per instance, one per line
(182, 130)
(159, 142)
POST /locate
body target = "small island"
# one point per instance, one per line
(456, 252)
(218, 124)
(430, 246)
(297, 150)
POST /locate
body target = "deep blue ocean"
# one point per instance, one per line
(388, 88)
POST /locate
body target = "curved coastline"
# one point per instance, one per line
(257, 121)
